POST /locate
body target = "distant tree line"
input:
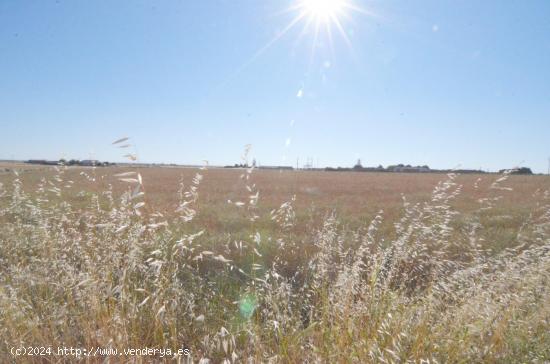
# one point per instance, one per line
(407, 168)
(522, 170)
(71, 162)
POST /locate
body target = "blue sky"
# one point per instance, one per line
(443, 83)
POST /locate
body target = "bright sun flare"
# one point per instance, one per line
(324, 16)
(318, 17)
(323, 9)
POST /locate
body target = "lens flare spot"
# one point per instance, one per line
(247, 306)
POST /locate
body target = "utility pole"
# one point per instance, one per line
(297, 163)
(549, 166)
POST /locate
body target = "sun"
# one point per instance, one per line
(323, 9)
(325, 16)
(319, 17)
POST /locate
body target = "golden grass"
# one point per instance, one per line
(456, 272)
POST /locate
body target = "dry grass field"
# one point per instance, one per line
(243, 265)
(357, 197)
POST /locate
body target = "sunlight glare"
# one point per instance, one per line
(323, 9)
(325, 15)
(318, 16)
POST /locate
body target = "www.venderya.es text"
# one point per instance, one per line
(81, 352)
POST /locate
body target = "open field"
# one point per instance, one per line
(280, 266)
(355, 196)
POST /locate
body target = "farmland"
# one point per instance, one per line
(281, 266)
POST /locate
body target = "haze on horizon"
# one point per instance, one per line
(442, 83)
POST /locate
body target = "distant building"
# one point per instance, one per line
(89, 162)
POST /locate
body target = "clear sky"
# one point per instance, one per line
(436, 82)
